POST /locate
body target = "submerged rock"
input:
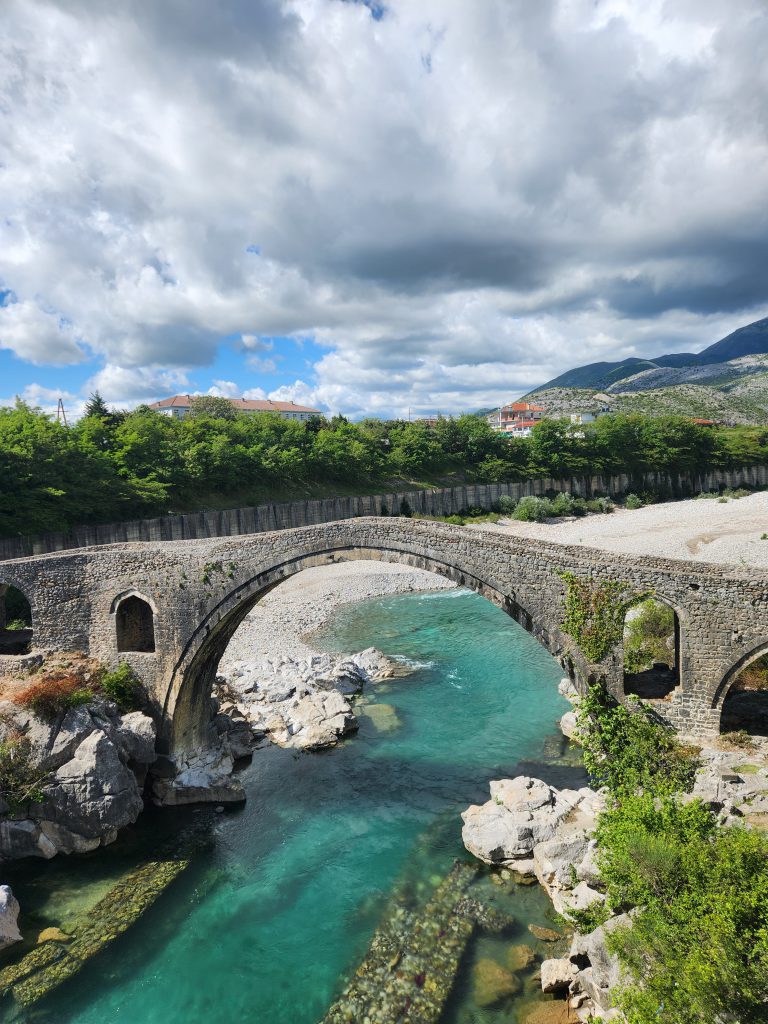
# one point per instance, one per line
(61, 956)
(9, 914)
(520, 957)
(53, 935)
(544, 934)
(551, 1012)
(384, 717)
(413, 959)
(492, 983)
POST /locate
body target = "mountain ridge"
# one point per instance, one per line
(746, 341)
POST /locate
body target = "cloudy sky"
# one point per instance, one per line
(370, 207)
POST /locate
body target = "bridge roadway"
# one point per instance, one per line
(170, 609)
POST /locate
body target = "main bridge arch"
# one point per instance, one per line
(186, 702)
(199, 591)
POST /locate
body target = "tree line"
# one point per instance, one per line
(114, 465)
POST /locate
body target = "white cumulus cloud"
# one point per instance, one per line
(456, 200)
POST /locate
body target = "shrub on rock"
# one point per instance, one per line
(53, 694)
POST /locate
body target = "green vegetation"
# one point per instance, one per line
(742, 401)
(697, 948)
(54, 694)
(594, 613)
(114, 465)
(21, 780)
(626, 749)
(122, 685)
(649, 636)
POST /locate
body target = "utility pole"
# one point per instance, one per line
(61, 415)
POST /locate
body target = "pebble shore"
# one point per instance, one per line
(282, 624)
(728, 532)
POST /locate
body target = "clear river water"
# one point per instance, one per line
(281, 907)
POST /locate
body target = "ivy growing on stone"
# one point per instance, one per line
(594, 612)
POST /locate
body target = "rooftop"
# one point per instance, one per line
(246, 404)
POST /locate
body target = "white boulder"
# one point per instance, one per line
(557, 975)
(9, 914)
(521, 813)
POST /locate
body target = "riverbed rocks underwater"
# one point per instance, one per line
(97, 762)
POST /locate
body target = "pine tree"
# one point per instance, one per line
(96, 406)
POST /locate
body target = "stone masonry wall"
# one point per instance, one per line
(201, 590)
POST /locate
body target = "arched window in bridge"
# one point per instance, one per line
(15, 621)
(135, 622)
(745, 708)
(651, 650)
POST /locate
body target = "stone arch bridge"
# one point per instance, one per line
(171, 608)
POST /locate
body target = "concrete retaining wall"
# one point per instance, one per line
(287, 515)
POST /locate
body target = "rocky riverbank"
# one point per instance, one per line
(274, 686)
(529, 828)
(92, 762)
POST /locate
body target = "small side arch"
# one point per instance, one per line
(15, 620)
(134, 622)
(741, 700)
(652, 645)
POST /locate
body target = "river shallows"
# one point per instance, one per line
(265, 926)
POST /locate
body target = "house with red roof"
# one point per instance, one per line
(517, 418)
(178, 407)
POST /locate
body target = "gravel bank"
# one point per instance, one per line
(281, 623)
(700, 530)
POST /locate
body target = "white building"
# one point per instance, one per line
(179, 405)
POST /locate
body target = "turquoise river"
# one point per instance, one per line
(280, 907)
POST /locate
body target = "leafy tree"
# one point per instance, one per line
(415, 450)
(114, 465)
(649, 636)
(558, 450)
(626, 749)
(697, 950)
(212, 407)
